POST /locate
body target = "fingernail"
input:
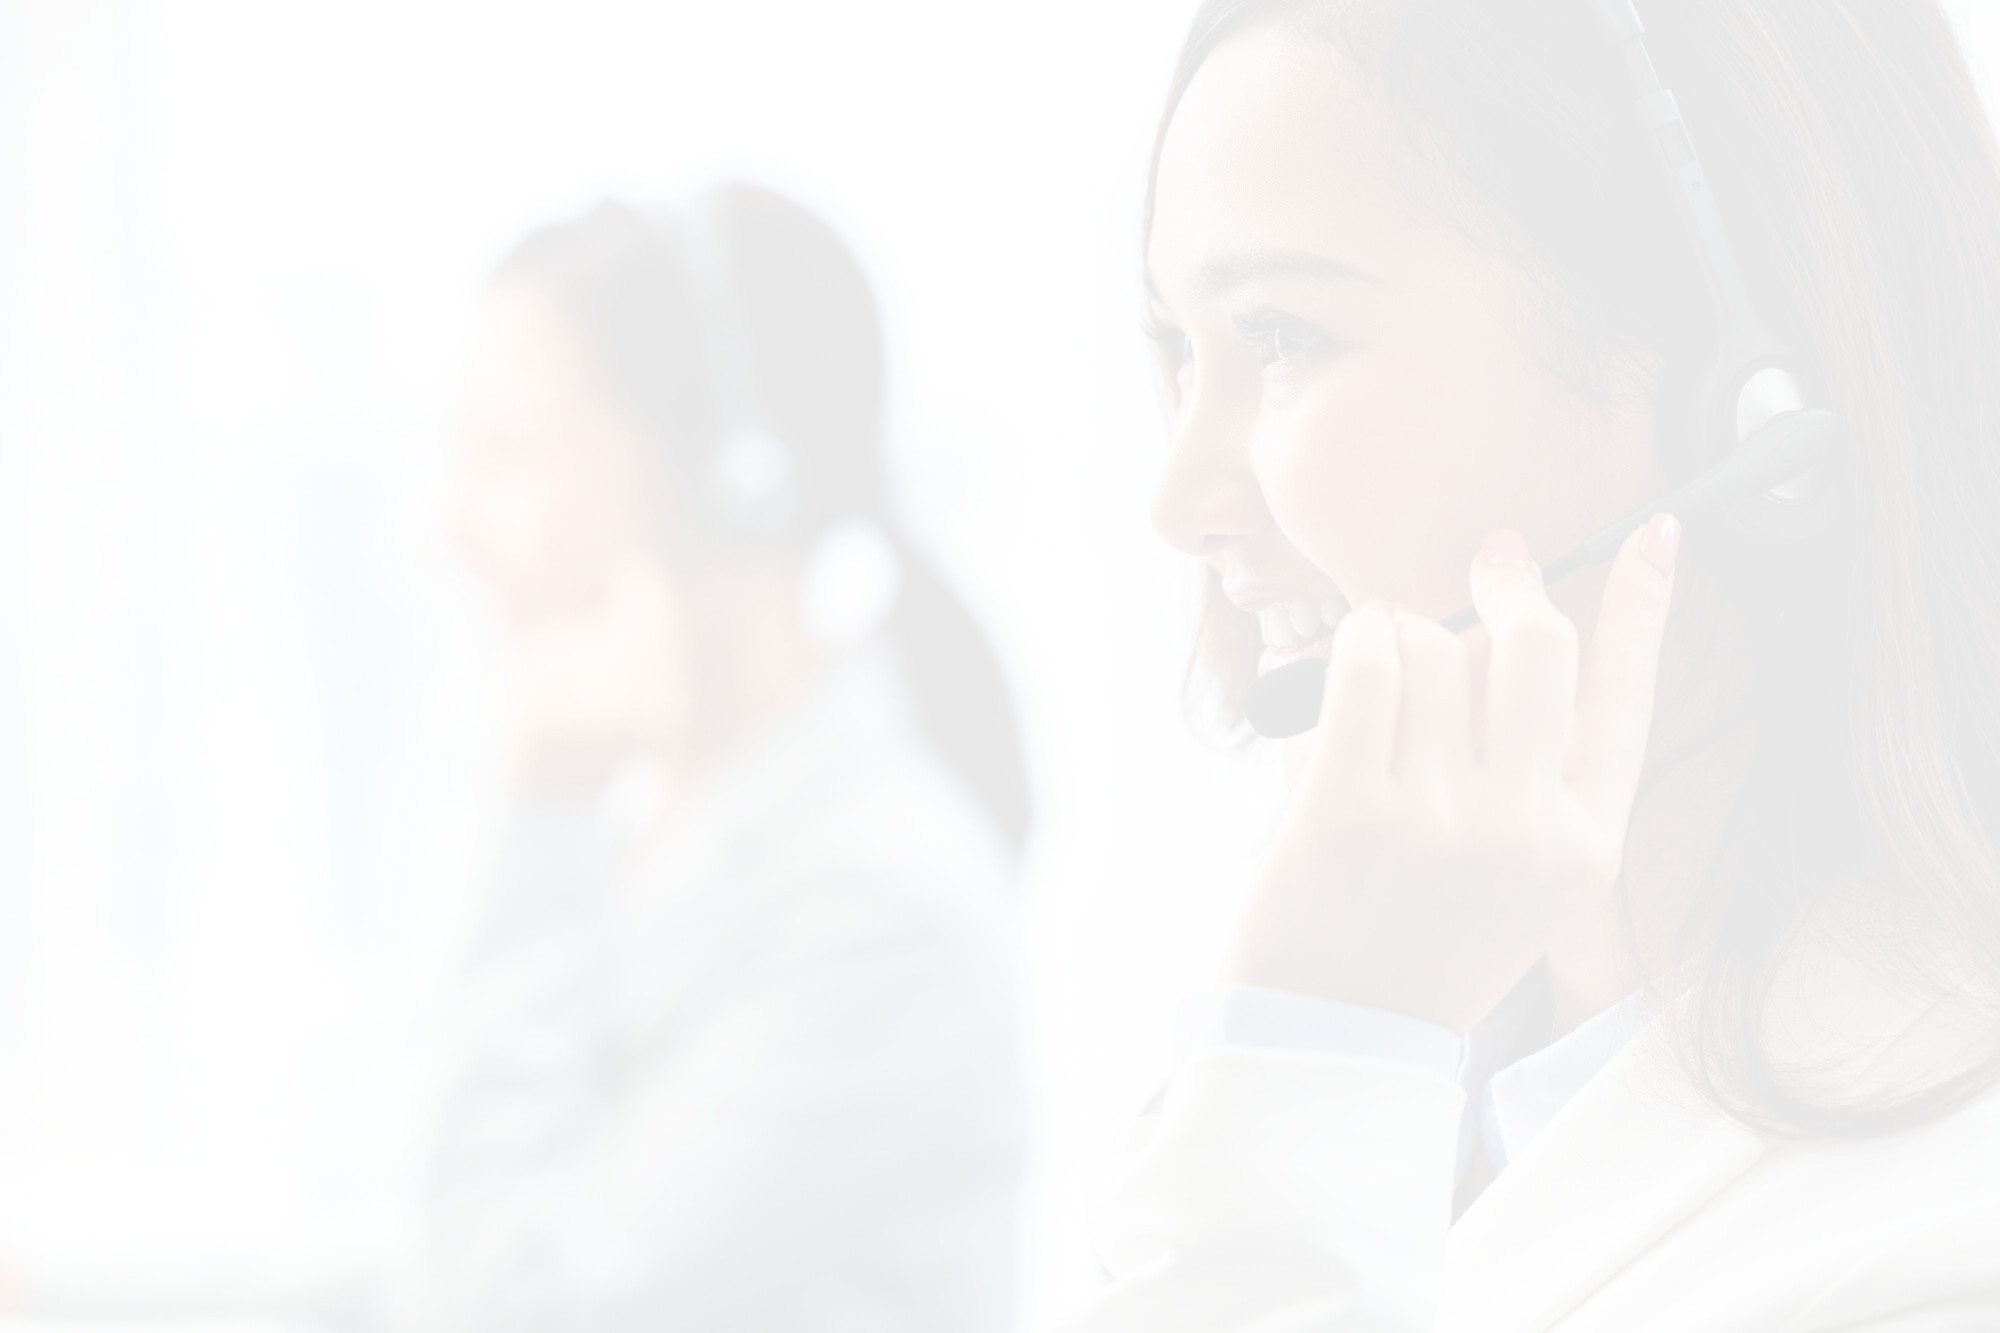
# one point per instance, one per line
(1660, 543)
(1504, 546)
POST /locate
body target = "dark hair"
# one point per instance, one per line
(669, 314)
(1859, 177)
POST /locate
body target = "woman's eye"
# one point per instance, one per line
(1285, 343)
(1281, 340)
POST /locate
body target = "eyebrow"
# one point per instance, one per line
(1228, 271)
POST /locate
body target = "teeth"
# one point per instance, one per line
(1277, 628)
(1305, 619)
(1331, 610)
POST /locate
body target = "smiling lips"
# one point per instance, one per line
(1297, 628)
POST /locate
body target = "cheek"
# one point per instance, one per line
(1391, 466)
(1388, 475)
(544, 536)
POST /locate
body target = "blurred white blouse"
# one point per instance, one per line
(762, 1074)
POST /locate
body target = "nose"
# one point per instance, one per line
(1208, 496)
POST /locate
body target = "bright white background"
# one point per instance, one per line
(246, 700)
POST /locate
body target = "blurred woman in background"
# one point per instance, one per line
(741, 1043)
(1661, 953)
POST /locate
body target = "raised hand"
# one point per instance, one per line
(1445, 813)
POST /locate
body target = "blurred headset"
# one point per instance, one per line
(1761, 449)
(754, 484)
(751, 485)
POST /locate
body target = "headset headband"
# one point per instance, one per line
(752, 476)
(1673, 147)
(1754, 377)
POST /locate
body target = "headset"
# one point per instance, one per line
(1766, 450)
(755, 483)
(752, 485)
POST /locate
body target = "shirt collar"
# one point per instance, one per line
(1520, 1098)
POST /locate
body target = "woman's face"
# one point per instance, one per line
(1358, 391)
(555, 475)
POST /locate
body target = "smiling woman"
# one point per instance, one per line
(1593, 926)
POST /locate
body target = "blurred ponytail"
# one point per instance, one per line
(959, 694)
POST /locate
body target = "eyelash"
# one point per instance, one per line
(1265, 330)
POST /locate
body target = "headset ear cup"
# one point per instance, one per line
(1750, 385)
(753, 484)
(1803, 507)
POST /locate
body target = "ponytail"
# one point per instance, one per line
(960, 695)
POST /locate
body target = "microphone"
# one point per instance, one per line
(1286, 702)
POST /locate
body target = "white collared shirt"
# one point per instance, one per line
(1516, 1081)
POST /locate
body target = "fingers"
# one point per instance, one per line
(1531, 675)
(1434, 730)
(1398, 702)
(1615, 701)
(1357, 737)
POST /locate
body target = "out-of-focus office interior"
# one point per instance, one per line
(253, 736)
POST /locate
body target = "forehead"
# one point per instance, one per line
(1279, 143)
